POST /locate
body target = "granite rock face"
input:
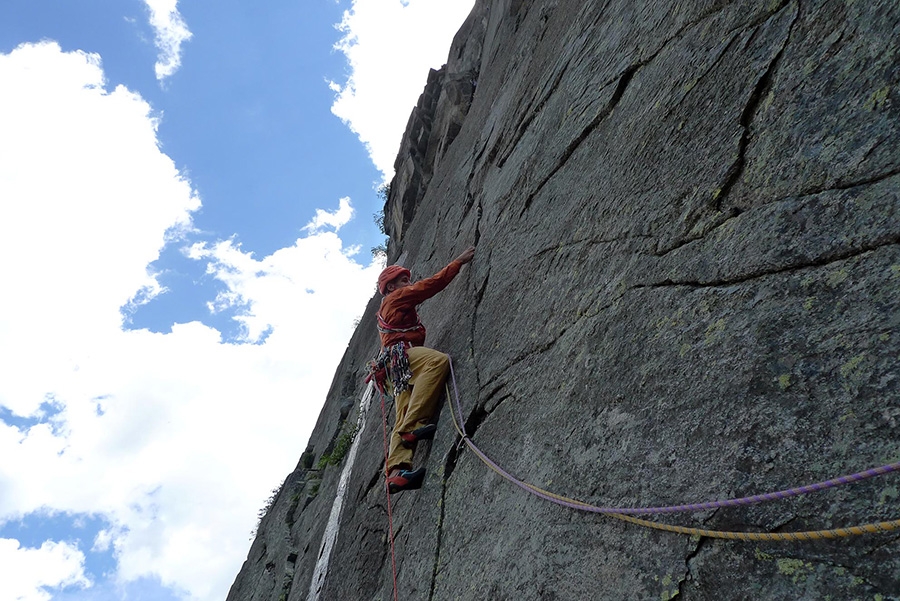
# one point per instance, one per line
(687, 288)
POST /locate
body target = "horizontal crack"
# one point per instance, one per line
(875, 179)
(826, 260)
(377, 506)
(890, 541)
(497, 388)
(716, 223)
(733, 212)
(591, 242)
(783, 524)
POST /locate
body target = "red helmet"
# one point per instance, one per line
(389, 274)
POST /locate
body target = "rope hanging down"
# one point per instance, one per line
(626, 513)
(387, 493)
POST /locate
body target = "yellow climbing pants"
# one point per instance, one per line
(416, 405)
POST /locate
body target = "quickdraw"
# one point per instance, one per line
(389, 370)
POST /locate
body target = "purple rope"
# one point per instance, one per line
(772, 496)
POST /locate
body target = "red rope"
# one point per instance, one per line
(387, 493)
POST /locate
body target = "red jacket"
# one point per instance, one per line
(398, 308)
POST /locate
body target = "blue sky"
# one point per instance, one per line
(186, 200)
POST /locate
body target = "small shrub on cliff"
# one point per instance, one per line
(265, 509)
(340, 449)
(378, 218)
(379, 251)
(384, 192)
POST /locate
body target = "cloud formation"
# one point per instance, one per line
(336, 219)
(25, 572)
(390, 46)
(88, 202)
(170, 33)
(172, 437)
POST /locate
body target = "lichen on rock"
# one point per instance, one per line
(687, 288)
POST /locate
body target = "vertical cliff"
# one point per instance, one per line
(687, 288)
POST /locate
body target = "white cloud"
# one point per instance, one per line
(170, 32)
(297, 293)
(390, 45)
(103, 541)
(336, 219)
(25, 572)
(88, 201)
(176, 439)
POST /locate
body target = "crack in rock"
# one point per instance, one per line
(368, 488)
(688, 574)
(526, 123)
(719, 219)
(478, 214)
(822, 262)
(891, 540)
(762, 84)
(527, 354)
(624, 80)
(449, 466)
(875, 179)
(725, 46)
(590, 242)
(722, 218)
(473, 326)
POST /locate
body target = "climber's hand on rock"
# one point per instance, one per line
(467, 255)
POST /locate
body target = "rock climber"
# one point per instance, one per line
(416, 373)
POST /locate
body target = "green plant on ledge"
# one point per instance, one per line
(340, 449)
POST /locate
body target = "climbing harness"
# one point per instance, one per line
(627, 513)
(386, 328)
(387, 493)
(389, 370)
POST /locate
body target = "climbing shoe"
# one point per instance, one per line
(424, 433)
(405, 480)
